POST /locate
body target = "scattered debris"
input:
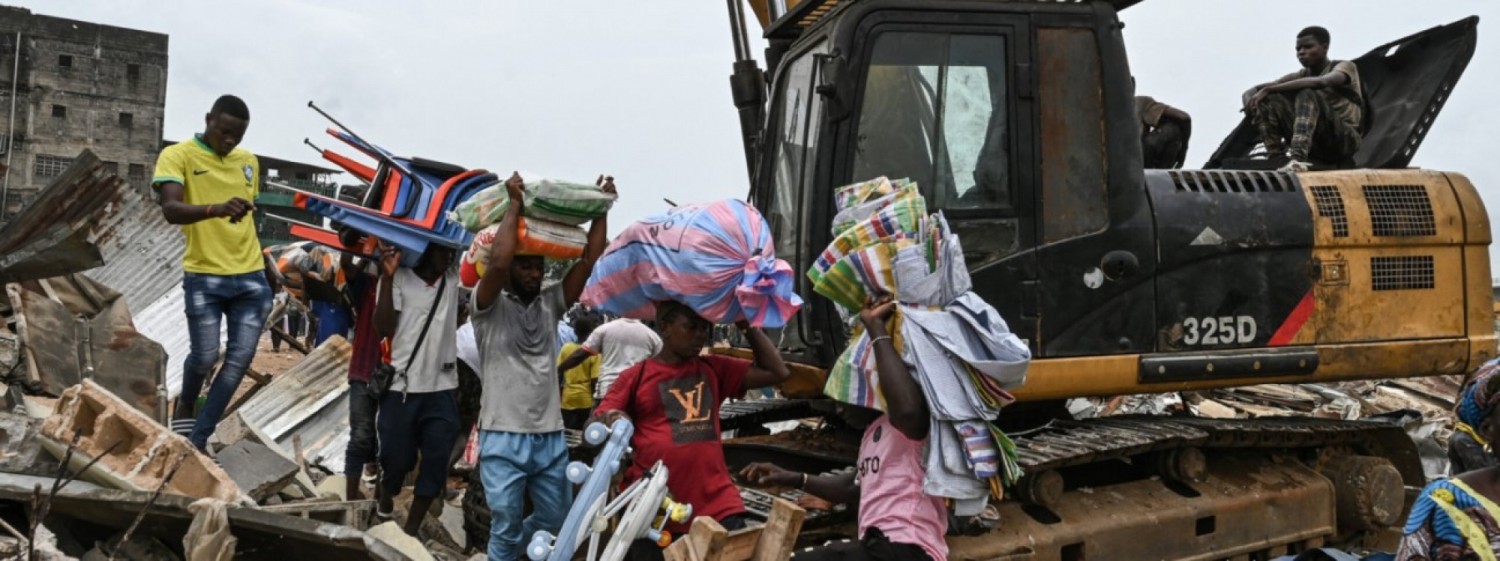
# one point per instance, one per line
(259, 472)
(391, 534)
(143, 450)
(309, 401)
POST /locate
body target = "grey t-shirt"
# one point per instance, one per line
(519, 363)
(435, 368)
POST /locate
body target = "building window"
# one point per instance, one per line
(60, 111)
(65, 61)
(50, 166)
(132, 71)
(127, 120)
(112, 167)
(137, 172)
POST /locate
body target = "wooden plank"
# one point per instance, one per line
(741, 544)
(704, 542)
(779, 536)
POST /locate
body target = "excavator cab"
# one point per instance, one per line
(1017, 122)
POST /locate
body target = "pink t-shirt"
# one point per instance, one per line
(890, 491)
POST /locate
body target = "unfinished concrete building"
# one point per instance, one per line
(67, 85)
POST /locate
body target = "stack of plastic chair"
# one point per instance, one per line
(407, 205)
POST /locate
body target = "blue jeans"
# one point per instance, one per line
(246, 301)
(510, 464)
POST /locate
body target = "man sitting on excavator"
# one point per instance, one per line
(1314, 114)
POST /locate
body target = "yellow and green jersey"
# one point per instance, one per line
(214, 246)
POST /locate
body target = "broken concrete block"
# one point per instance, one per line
(234, 428)
(19, 449)
(259, 472)
(140, 452)
(392, 535)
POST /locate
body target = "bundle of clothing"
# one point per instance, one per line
(717, 258)
(1450, 519)
(551, 223)
(307, 270)
(958, 348)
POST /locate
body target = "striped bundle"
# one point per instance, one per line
(717, 258)
(961, 352)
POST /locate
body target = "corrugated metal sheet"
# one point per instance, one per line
(142, 252)
(165, 321)
(311, 401)
(89, 218)
(55, 234)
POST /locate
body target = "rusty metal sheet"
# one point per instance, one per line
(55, 234)
(309, 401)
(1074, 179)
(142, 252)
(71, 329)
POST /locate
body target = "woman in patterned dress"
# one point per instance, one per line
(1456, 518)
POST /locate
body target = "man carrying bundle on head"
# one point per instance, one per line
(521, 446)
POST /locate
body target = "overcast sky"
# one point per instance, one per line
(640, 89)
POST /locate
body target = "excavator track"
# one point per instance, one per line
(1067, 443)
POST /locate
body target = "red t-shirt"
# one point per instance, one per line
(675, 409)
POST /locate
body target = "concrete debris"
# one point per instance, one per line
(70, 327)
(259, 472)
(234, 429)
(336, 485)
(393, 536)
(46, 546)
(137, 452)
(19, 450)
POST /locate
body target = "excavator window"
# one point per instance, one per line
(935, 110)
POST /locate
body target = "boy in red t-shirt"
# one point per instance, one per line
(673, 400)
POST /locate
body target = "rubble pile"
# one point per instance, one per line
(88, 467)
(1423, 406)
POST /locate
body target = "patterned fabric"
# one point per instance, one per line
(717, 258)
(1479, 396)
(1450, 522)
(1308, 121)
(960, 351)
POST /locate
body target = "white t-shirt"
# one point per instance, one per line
(435, 368)
(468, 347)
(620, 344)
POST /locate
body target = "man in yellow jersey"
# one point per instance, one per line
(206, 185)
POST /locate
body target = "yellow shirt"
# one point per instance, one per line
(577, 393)
(214, 246)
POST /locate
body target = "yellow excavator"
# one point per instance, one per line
(1017, 120)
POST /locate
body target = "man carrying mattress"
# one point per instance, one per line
(521, 447)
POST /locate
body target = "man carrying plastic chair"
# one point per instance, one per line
(673, 399)
(521, 445)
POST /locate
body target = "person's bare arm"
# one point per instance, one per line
(578, 276)
(572, 362)
(905, 404)
(503, 251)
(838, 489)
(386, 316)
(169, 196)
(769, 368)
(1295, 84)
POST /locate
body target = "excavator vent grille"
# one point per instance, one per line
(1331, 206)
(1247, 182)
(1400, 210)
(1407, 272)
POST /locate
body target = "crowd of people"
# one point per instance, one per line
(432, 362)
